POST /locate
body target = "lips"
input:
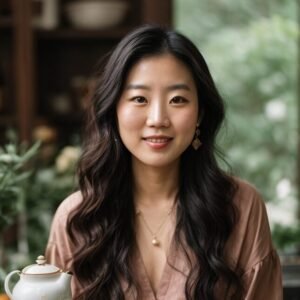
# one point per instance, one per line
(157, 138)
(157, 142)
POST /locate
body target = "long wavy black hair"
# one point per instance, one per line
(102, 226)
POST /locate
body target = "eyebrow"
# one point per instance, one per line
(177, 86)
(137, 87)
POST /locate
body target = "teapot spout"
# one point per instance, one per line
(65, 281)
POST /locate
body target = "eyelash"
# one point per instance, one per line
(136, 99)
(182, 100)
(174, 100)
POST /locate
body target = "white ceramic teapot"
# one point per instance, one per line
(40, 281)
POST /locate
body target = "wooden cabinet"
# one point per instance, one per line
(43, 70)
(7, 87)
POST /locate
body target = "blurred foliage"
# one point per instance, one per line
(50, 185)
(259, 82)
(13, 179)
(251, 49)
(29, 198)
(200, 20)
(287, 238)
(15, 174)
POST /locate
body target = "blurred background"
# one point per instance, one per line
(48, 53)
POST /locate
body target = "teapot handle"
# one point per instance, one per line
(7, 279)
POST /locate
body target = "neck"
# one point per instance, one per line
(155, 186)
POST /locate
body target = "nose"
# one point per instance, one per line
(158, 115)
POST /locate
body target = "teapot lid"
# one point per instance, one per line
(41, 268)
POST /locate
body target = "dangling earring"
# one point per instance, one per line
(196, 142)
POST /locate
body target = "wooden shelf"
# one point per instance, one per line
(41, 63)
(73, 33)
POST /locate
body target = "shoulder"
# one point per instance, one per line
(245, 188)
(250, 205)
(66, 206)
(250, 240)
(250, 245)
(247, 198)
(59, 248)
(58, 230)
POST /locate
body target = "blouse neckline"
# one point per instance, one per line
(166, 276)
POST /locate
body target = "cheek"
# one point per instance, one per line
(187, 122)
(128, 119)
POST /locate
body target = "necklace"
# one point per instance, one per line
(155, 242)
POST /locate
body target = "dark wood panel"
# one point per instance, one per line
(24, 74)
(61, 62)
(7, 81)
(71, 33)
(157, 11)
(291, 293)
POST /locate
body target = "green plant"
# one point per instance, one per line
(287, 238)
(32, 193)
(48, 187)
(13, 178)
(15, 174)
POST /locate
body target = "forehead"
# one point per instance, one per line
(161, 67)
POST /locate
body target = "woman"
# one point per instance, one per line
(156, 217)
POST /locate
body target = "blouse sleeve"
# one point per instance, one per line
(252, 249)
(58, 250)
(59, 247)
(263, 281)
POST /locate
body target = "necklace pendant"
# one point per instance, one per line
(155, 242)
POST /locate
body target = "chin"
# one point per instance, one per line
(158, 162)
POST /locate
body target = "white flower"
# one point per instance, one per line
(283, 188)
(67, 158)
(281, 214)
(276, 110)
(284, 210)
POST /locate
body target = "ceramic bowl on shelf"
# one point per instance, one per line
(96, 14)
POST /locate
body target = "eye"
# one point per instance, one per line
(139, 100)
(178, 100)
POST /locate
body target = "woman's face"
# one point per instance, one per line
(158, 110)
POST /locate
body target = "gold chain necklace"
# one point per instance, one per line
(155, 242)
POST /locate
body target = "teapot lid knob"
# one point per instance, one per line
(41, 268)
(41, 260)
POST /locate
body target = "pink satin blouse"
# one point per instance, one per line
(249, 246)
